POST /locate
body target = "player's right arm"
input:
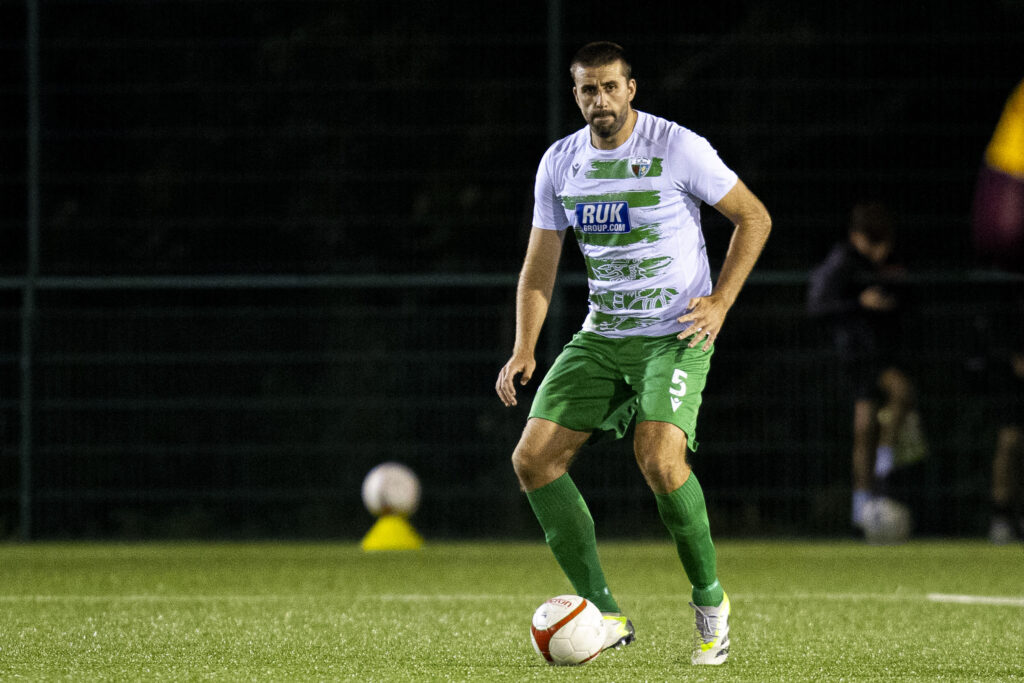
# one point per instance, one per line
(533, 295)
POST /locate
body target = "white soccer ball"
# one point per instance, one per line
(886, 521)
(566, 630)
(391, 488)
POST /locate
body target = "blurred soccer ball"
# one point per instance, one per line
(391, 488)
(886, 521)
(567, 629)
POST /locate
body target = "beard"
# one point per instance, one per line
(608, 126)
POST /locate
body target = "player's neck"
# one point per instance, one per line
(620, 137)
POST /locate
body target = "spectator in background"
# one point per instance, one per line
(998, 220)
(998, 225)
(855, 291)
(1007, 522)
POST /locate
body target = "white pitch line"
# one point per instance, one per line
(269, 597)
(1004, 601)
(155, 598)
(976, 599)
(891, 597)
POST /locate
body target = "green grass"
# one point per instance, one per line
(284, 612)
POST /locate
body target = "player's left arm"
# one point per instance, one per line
(752, 225)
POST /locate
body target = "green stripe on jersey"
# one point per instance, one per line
(618, 269)
(606, 322)
(636, 199)
(641, 233)
(620, 169)
(636, 300)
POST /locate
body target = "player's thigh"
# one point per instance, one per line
(658, 439)
(671, 383)
(585, 390)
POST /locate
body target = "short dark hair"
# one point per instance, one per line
(600, 53)
(873, 220)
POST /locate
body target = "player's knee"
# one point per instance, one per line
(523, 462)
(531, 466)
(663, 474)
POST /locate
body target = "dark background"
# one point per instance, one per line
(371, 142)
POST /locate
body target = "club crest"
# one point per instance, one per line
(640, 166)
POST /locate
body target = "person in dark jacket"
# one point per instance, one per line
(1007, 491)
(856, 291)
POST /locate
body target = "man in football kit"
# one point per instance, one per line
(630, 186)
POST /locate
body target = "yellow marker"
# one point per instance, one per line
(392, 532)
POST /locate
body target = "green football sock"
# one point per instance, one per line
(684, 513)
(569, 532)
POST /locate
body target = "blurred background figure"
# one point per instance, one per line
(999, 197)
(1007, 523)
(998, 225)
(855, 290)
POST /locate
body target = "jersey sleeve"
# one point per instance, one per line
(697, 168)
(548, 213)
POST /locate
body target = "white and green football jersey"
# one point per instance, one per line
(635, 211)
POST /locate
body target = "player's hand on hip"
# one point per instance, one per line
(516, 365)
(705, 315)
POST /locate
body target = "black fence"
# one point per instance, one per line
(256, 247)
(254, 407)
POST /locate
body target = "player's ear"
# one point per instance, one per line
(631, 87)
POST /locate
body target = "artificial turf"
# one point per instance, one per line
(461, 611)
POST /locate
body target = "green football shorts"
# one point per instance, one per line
(598, 384)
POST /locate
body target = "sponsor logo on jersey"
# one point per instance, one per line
(640, 166)
(603, 217)
(575, 169)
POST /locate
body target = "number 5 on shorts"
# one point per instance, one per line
(678, 377)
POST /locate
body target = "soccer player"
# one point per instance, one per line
(630, 186)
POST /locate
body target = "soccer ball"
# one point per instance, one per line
(566, 630)
(391, 488)
(886, 521)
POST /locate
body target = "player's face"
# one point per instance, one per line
(603, 95)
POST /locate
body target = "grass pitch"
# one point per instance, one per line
(461, 611)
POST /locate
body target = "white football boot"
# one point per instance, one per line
(618, 631)
(712, 646)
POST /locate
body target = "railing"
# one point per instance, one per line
(261, 136)
(253, 406)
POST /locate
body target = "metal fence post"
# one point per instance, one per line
(556, 308)
(28, 304)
